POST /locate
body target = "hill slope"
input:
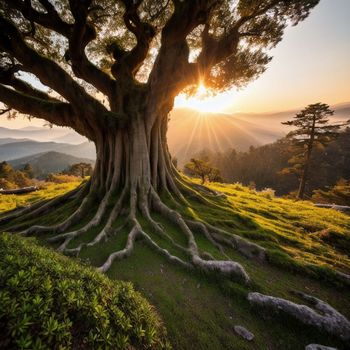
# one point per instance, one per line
(14, 150)
(304, 246)
(43, 134)
(49, 162)
(191, 131)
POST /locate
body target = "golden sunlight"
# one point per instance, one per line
(203, 101)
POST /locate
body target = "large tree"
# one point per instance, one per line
(311, 129)
(112, 70)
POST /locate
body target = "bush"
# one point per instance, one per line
(268, 193)
(48, 301)
(61, 178)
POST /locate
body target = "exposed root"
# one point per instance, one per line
(199, 226)
(326, 318)
(228, 267)
(144, 200)
(121, 254)
(225, 267)
(164, 252)
(248, 249)
(160, 230)
(61, 227)
(96, 220)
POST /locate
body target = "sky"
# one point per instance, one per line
(311, 64)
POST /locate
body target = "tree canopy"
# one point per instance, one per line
(96, 53)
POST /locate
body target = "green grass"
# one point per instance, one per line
(304, 245)
(12, 201)
(296, 233)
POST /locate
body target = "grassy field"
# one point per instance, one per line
(12, 201)
(304, 245)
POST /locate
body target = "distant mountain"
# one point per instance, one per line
(85, 150)
(191, 131)
(49, 162)
(274, 119)
(72, 138)
(11, 140)
(16, 150)
(43, 134)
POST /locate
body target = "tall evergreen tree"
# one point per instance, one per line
(312, 129)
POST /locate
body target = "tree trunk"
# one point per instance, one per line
(133, 172)
(135, 158)
(302, 185)
(304, 176)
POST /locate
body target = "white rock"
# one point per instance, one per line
(318, 347)
(244, 333)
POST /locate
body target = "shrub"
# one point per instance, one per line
(48, 301)
(61, 178)
(268, 193)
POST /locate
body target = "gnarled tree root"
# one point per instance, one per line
(143, 204)
(323, 316)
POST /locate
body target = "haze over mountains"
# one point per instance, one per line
(48, 162)
(55, 134)
(189, 132)
(48, 150)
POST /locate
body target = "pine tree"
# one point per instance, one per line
(312, 129)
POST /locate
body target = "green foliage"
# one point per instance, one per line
(267, 165)
(47, 301)
(80, 169)
(312, 130)
(203, 169)
(48, 191)
(62, 178)
(10, 178)
(338, 194)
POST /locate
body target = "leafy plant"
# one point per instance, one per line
(48, 301)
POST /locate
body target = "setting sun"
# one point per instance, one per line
(203, 101)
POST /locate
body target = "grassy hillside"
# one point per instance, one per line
(304, 246)
(10, 202)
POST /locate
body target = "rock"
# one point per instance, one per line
(244, 333)
(324, 317)
(318, 347)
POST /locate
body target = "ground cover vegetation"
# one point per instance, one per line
(304, 248)
(50, 302)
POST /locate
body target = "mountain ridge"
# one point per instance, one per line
(48, 162)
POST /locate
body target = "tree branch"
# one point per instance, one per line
(130, 62)
(49, 72)
(58, 113)
(78, 34)
(81, 34)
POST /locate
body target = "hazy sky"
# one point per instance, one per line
(311, 64)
